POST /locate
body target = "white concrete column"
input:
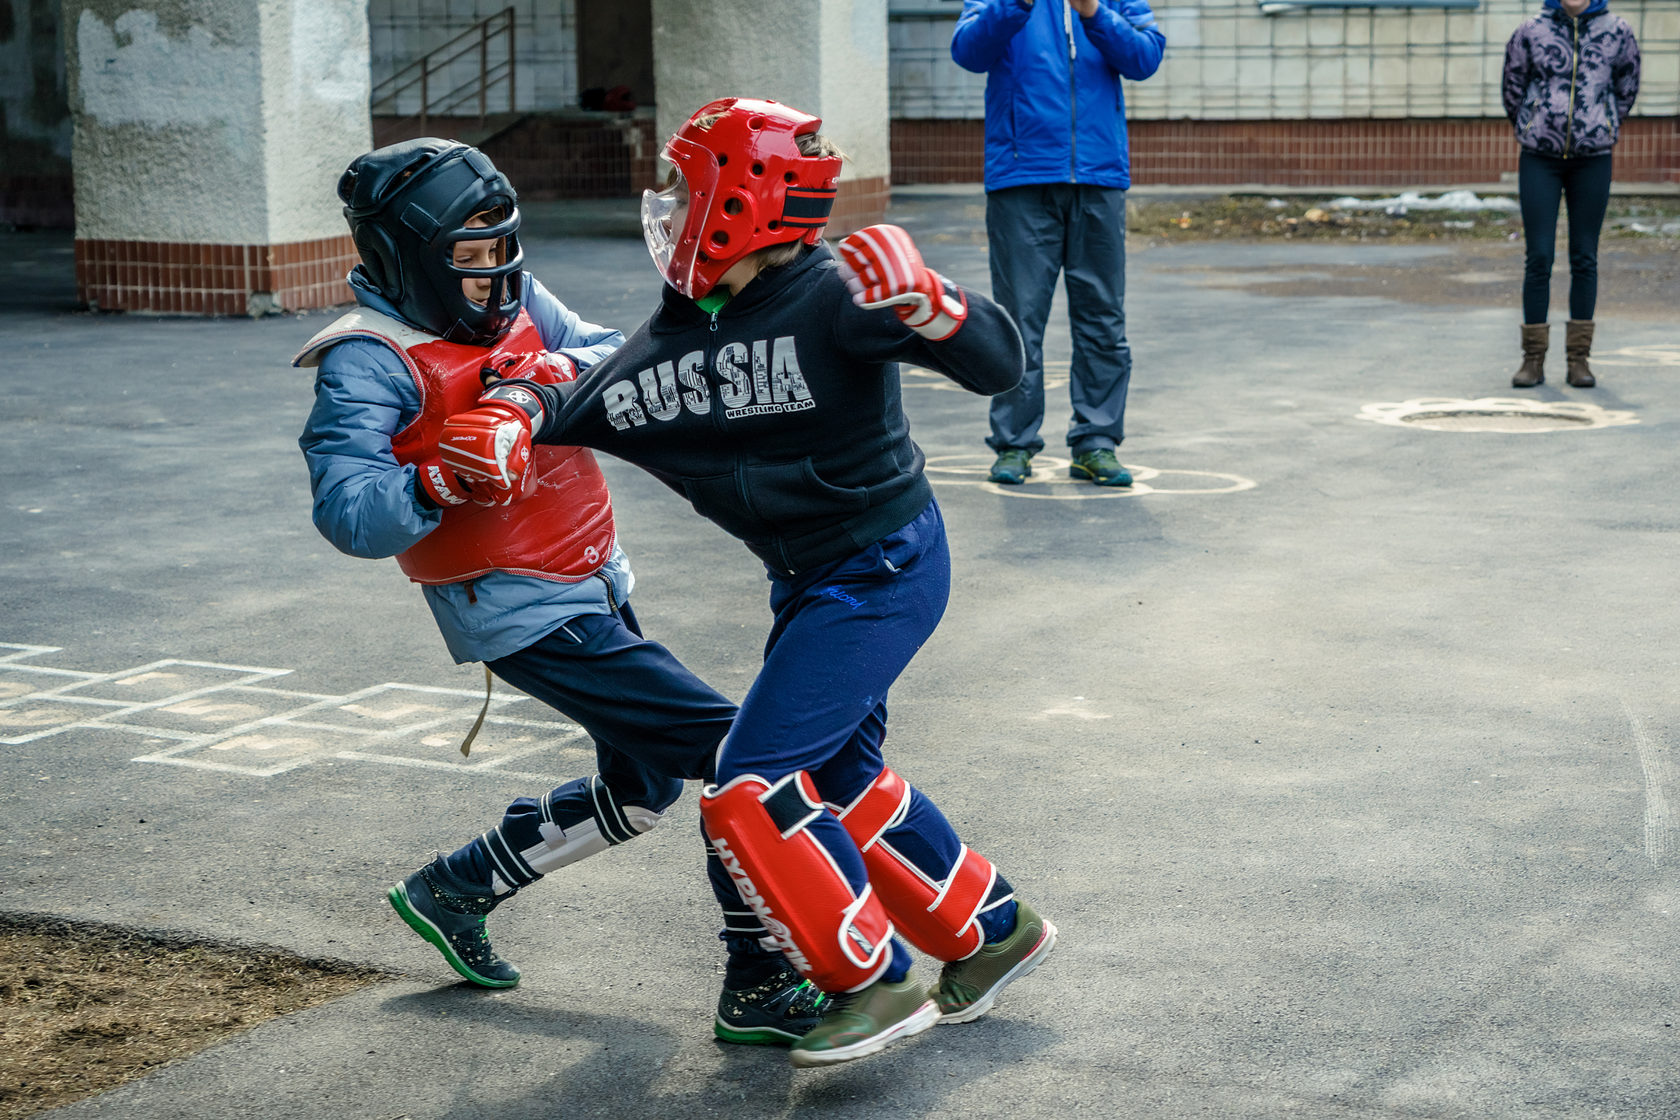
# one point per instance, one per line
(825, 57)
(208, 138)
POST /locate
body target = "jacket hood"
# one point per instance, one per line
(1593, 8)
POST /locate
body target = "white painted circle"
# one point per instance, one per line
(1504, 415)
(1050, 481)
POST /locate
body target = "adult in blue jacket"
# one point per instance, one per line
(1057, 171)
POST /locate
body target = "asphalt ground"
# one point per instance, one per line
(1341, 750)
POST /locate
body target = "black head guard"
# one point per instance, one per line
(407, 205)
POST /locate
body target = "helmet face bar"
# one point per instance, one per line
(408, 206)
(741, 185)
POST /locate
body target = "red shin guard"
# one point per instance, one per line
(939, 918)
(838, 939)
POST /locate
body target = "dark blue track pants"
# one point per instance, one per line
(1078, 231)
(654, 723)
(841, 636)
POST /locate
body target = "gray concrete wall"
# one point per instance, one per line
(315, 111)
(214, 120)
(826, 57)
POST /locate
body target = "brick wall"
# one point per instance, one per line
(173, 278)
(1295, 153)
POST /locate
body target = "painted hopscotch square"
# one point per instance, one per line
(162, 681)
(397, 709)
(553, 748)
(215, 712)
(30, 718)
(19, 681)
(262, 751)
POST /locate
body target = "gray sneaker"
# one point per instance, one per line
(450, 914)
(857, 1024)
(1100, 467)
(968, 987)
(1012, 467)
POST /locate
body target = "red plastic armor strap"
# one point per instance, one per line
(836, 938)
(939, 918)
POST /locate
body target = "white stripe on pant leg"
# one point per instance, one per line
(582, 841)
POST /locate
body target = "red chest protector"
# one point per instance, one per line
(562, 531)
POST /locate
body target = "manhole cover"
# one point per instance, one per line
(1495, 414)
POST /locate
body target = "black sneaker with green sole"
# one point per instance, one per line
(777, 1012)
(968, 987)
(450, 914)
(857, 1024)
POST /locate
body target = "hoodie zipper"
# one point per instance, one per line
(709, 371)
(718, 406)
(1574, 70)
(1073, 94)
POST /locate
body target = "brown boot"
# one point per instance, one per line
(1535, 338)
(1577, 344)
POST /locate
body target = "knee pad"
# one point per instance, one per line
(574, 821)
(838, 938)
(939, 917)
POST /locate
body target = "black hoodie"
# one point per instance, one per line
(779, 417)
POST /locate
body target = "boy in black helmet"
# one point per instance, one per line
(522, 569)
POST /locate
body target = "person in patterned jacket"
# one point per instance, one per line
(1571, 76)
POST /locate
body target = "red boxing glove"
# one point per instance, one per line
(489, 447)
(883, 269)
(441, 486)
(513, 367)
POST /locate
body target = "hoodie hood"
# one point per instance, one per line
(1592, 9)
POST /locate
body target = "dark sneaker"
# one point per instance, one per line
(450, 914)
(857, 1024)
(968, 987)
(1100, 467)
(777, 1012)
(1011, 467)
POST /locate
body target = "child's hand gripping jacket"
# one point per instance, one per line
(883, 269)
(489, 447)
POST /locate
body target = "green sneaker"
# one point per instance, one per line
(777, 1012)
(857, 1024)
(1011, 467)
(450, 914)
(968, 987)
(1100, 467)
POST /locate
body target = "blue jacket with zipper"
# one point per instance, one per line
(1055, 112)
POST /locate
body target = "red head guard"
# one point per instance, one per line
(748, 187)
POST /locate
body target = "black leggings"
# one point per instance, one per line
(1541, 182)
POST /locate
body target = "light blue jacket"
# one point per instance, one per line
(365, 501)
(1055, 112)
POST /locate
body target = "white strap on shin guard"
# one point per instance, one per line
(609, 824)
(937, 916)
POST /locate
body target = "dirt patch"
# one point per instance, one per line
(85, 1007)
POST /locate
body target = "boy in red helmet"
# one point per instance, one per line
(765, 389)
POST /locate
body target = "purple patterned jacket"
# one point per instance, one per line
(1570, 83)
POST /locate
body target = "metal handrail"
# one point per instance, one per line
(419, 73)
